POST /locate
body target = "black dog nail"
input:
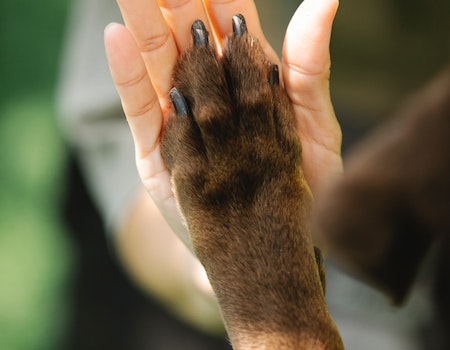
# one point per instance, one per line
(179, 103)
(318, 255)
(274, 75)
(199, 33)
(239, 25)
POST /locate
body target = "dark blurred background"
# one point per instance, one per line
(56, 273)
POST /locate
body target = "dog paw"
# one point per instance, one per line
(235, 161)
(232, 140)
(233, 152)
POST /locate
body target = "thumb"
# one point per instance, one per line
(306, 54)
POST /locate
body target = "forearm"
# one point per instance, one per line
(279, 302)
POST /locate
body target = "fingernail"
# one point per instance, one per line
(179, 103)
(199, 33)
(274, 75)
(239, 25)
(110, 25)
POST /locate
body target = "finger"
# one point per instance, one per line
(306, 72)
(306, 56)
(136, 92)
(141, 107)
(179, 15)
(145, 21)
(220, 13)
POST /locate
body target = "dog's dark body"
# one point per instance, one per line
(394, 201)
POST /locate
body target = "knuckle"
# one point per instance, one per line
(154, 42)
(142, 109)
(133, 81)
(173, 4)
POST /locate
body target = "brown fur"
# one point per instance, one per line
(394, 201)
(236, 168)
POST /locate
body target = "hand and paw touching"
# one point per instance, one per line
(229, 136)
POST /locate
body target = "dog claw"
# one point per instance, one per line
(199, 33)
(179, 103)
(239, 25)
(274, 75)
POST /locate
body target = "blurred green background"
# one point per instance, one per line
(35, 254)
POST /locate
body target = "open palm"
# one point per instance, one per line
(142, 56)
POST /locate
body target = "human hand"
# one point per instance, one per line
(142, 56)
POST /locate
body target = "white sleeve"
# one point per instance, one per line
(90, 113)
